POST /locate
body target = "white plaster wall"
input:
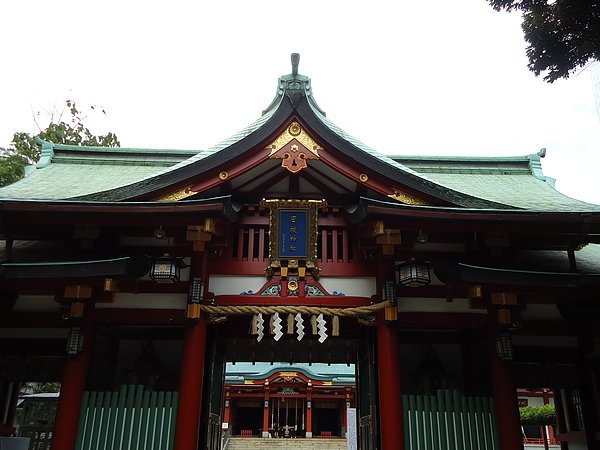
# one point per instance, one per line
(234, 284)
(357, 286)
(146, 301)
(40, 303)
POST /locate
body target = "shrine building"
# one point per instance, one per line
(432, 292)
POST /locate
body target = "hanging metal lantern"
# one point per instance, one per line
(75, 341)
(413, 273)
(165, 269)
(504, 347)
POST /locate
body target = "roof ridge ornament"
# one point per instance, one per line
(295, 62)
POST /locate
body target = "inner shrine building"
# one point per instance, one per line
(428, 290)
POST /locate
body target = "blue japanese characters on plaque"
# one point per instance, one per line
(293, 233)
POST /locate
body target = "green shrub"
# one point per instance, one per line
(538, 415)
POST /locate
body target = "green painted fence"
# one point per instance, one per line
(130, 419)
(448, 421)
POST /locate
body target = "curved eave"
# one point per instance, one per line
(145, 188)
(216, 204)
(368, 207)
(105, 267)
(270, 373)
(398, 176)
(465, 273)
(305, 112)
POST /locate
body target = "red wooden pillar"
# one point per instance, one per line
(343, 419)
(309, 408)
(266, 412)
(227, 411)
(192, 372)
(391, 426)
(505, 394)
(72, 387)
(190, 386)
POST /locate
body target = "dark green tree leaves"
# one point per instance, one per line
(562, 35)
(24, 150)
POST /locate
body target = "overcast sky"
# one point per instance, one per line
(437, 77)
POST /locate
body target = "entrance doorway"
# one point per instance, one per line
(290, 389)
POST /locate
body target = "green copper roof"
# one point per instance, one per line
(338, 373)
(67, 171)
(514, 180)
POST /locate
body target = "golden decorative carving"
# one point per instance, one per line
(404, 197)
(223, 175)
(177, 195)
(294, 154)
(364, 177)
(292, 285)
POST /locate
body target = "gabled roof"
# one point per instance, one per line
(116, 175)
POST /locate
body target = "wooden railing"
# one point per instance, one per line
(128, 419)
(447, 421)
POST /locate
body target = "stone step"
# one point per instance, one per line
(317, 443)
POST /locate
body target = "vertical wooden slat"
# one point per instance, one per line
(145, 411)
(494, 420)
(251, 244)
(465, 424)
(173, 420)
(413, 424)
(435, 423)
(128, 417)
(344, 246)
(136, 416)
(442, 408)
(82, 420)
(458, 420)
(334, 246)
(89, 426)
(120, 422)
(489, 444)
(324, 255)
(152, 422)
(112, 421)
(98, 407)
(479, 420)
(419, 422)
(427, 422)
(473, 424)
(261, 245)
(240, 249)
(103, 428)
(159, 420)
(406, 415)
(450, 419)
(165, 421)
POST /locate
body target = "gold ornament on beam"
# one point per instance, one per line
(404, 197)
(176, 195)
(294, 147)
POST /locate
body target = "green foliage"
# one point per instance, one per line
(562, 35)
(40, 387)
(24, 150)
(538, 415)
